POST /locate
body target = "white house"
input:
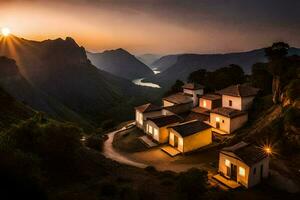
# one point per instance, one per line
(239, 97)
(157, 127)
(145, 111)
(194, 90)
(244, 163)
(190, 136)
(210, 101)
(227, 120)
(177, 103)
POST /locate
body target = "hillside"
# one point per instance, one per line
(60, 69)
(18, 87)
(148, 59)
(187, 63)
(120, 63)
(12, 111)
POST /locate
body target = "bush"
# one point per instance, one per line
(192, 183)
(151, 169)
(95, 142)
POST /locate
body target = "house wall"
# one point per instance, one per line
(208, 103)
(247, 102)
(255, 178)
(236, 102)
(152, 130)
(144, 117)
(197, 140)
(244, 180)
(167, 103)
(139, 119)
(195, 94)
(238, 122)
(224, 122)
(162, 135)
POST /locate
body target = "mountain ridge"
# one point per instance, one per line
(120, 63)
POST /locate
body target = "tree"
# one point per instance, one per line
(277, 63)
(261, 77)
(177, 87)
(198, 76)
(192, 183)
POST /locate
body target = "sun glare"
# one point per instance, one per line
(5, 31)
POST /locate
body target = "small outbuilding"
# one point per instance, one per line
(157, 127)
(243, 163)
(210, 101)
(145, 111)
(227, 120)
(239, 97)
(190, 136)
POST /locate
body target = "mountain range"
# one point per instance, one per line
(179, 66)
(120, 63)
(55, 76)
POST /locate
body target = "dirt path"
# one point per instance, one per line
(111, 153)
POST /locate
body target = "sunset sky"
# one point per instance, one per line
(157, 26)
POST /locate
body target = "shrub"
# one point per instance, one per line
(95, 142)
(192, 183)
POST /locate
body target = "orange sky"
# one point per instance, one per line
(138, 29)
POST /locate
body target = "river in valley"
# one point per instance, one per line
(147, 84)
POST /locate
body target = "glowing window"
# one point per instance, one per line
(156, 134)
(242, 171)
(227, 163)
(217, 119)
(204, 103)
(150, 129)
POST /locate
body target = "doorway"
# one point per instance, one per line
(233, 172)
(175, 141)
(217, 125)
(261, 172)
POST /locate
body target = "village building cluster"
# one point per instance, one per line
(192, 120)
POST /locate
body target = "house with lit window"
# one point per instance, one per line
(239, 97)
(207, 102)
(143, 112)
(189, 136)
(210, 101)
(157, 127)
(244, 164)
(226, 120)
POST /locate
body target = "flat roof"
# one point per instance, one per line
(179, 98)
(211, 97)
(149, 107)
(228, 112)
(190, 128)
(248, 153)
(193, 86)
(165, 120)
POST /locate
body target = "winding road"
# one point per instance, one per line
(111, 153)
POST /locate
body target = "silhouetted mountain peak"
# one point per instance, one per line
(121, 63)
(8, 67)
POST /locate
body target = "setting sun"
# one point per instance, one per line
(5, 31)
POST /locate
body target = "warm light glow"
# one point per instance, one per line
(227, 163)
(5, 31)
(242, 171)
(204, 103)
(217, 119)
(268, 150)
